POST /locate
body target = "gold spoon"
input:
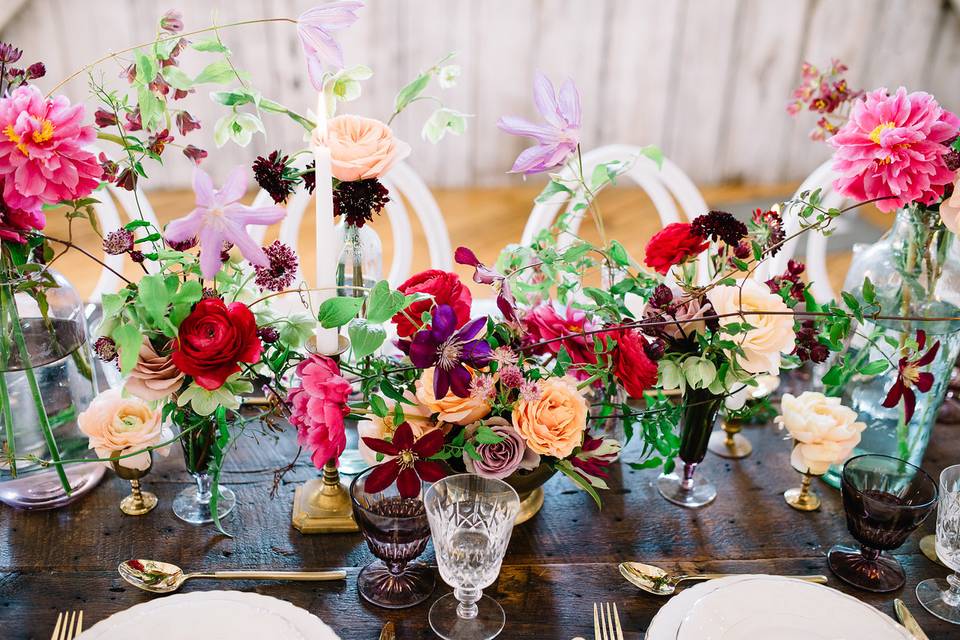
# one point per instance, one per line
(658, 582)
(162, 577)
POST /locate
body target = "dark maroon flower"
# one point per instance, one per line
(450, 351)
(952, 160)
(127, 179)
(9, 53)
(274, 176)
(720, 226)
(186, 123)
(770, 231)
(133, 120)
(36, 70)
(268, 335)
(483, 274)
(310, 177)
(137, 256)
(110, 168)
(910, 376)
(172, 21)
(180, 94)
(158, 141)
(129, 73)
(185, 245)
(359, 200)
(808, 346)
(194, 153)
(279, 273)
(159, 85)
(792, 278)
(662, 297)
(105, 348)
(118, 242)
(104, 118)
(409, 465)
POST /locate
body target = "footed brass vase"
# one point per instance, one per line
(139, 502)
(529, 486)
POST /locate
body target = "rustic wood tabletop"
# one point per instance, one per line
(557, 564)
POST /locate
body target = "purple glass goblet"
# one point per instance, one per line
(885, 499)
(396, 530)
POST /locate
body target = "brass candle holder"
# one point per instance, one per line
(729, 442)
(803, 498)
(139, 502)
(322, 505)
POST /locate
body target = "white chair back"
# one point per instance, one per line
(400, 181)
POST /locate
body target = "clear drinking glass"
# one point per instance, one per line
(942, 597)
(471, 519)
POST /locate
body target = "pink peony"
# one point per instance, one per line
(42, 155)
(893, 146)
(544, 322)
(14, 222)
(318, 407)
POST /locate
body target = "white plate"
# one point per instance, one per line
(666, 622)
(202, 615)
(762, 608)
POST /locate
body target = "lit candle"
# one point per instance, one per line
(327, 339)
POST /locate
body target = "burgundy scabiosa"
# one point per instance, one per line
(274, 176)
(719, 226)
(280, 272)
(450, 351)
(358, 200)
(407, 462)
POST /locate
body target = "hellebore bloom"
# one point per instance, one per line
(450, 351)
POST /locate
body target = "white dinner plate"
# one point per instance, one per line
(202, 615)
(666, 622)
(762, 608)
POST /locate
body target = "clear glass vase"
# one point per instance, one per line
(197, 438)
(915, 270)
(46, 380)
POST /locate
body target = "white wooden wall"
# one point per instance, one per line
(707, 80)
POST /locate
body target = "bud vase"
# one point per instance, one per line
(198, 436)
(683, 487)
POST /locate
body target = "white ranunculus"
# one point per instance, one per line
(825, 431)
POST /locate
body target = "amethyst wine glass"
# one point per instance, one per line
(396, 530)
(885, 499)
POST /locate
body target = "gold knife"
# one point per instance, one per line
(907, 620)
(388, 632)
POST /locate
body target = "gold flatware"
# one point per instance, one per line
(658, 582)
(69, 625)
(908, 621)
(162, 577)
(388, 632)
(606, 625)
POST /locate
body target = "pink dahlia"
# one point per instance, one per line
(892, 147)
(318, 407)
(42, 155)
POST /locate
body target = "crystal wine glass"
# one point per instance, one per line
(396, 531)
(471, 519)
(885, 499)
(942, 597)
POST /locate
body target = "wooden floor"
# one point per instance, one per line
(484, 219)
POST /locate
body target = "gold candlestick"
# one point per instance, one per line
(803, 498)
(729, 442)
(322, 505)
(139, 502)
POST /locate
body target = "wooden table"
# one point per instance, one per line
(557, 564)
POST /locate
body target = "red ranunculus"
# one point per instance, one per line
(635, 370)
(672, 245)
(445, 287)
(213, 339)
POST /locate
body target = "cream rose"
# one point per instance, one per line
(418, 417)
(950, 209)
(361, 148)
(772, 335)
(554, 422)
(824, 430)
(452, 408)
(125, 425)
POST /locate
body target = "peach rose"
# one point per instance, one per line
(125, 425)
(417, 417)
(361, 148)
(950, 209)
(824, 430)
(554, 422)
(772, 335)
(154, 377)
(452, 408)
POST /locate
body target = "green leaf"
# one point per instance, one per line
(338, 311)
(654, 153)
(112, 303)
(471, 450)
(618, 254)
(212, 46)
(176, 78)
(383, 303)
(410, 92)
(128, 338)
(146, 67)
(833, 376)
(874, 368)
(365, 338)
(220, 445)
(153, 296)
(869, 291)
(378, 406)
(233, 98)
(218, 72)
(486, 435)
(568, 470)
(151, 108)
(553, 187)
(188, 293)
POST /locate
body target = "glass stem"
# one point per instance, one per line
(688, 470)
(204, 484)
(869, 553)
(5, 393)
(467, 609)
(952, 595)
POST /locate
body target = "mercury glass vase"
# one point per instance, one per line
(46, 380)
(683, 487)
(915, 270)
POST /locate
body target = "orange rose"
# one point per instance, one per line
(554, 422)
(361, 148)
(452, 408)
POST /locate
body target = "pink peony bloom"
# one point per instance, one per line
(892, 147)
(15, 222)
(318, 407)
(544, 322)
(42, 155)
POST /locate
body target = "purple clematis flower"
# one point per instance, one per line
(483, 274)
(315, 27)
(450, 351)
(558, 138)
(218, 218)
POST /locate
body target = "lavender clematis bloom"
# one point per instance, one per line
(315, 28)
(450, 351)
(219, 218)
(558, 138)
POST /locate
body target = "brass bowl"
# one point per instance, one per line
(529, 486)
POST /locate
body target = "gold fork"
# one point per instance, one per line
(606, 626)
(69, 625)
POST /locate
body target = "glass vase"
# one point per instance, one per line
(46, 380)
(915, 271)
(682, 487)
(198, 436)
(360, 265)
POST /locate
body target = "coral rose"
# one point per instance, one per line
(117, 425)
(635, 370)
(155, 376)
(772, 335)
(825, 431)
(213, 339)
(361, 148)
(445, 287)
(553, 423)
(451, 408)
(673, 244)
